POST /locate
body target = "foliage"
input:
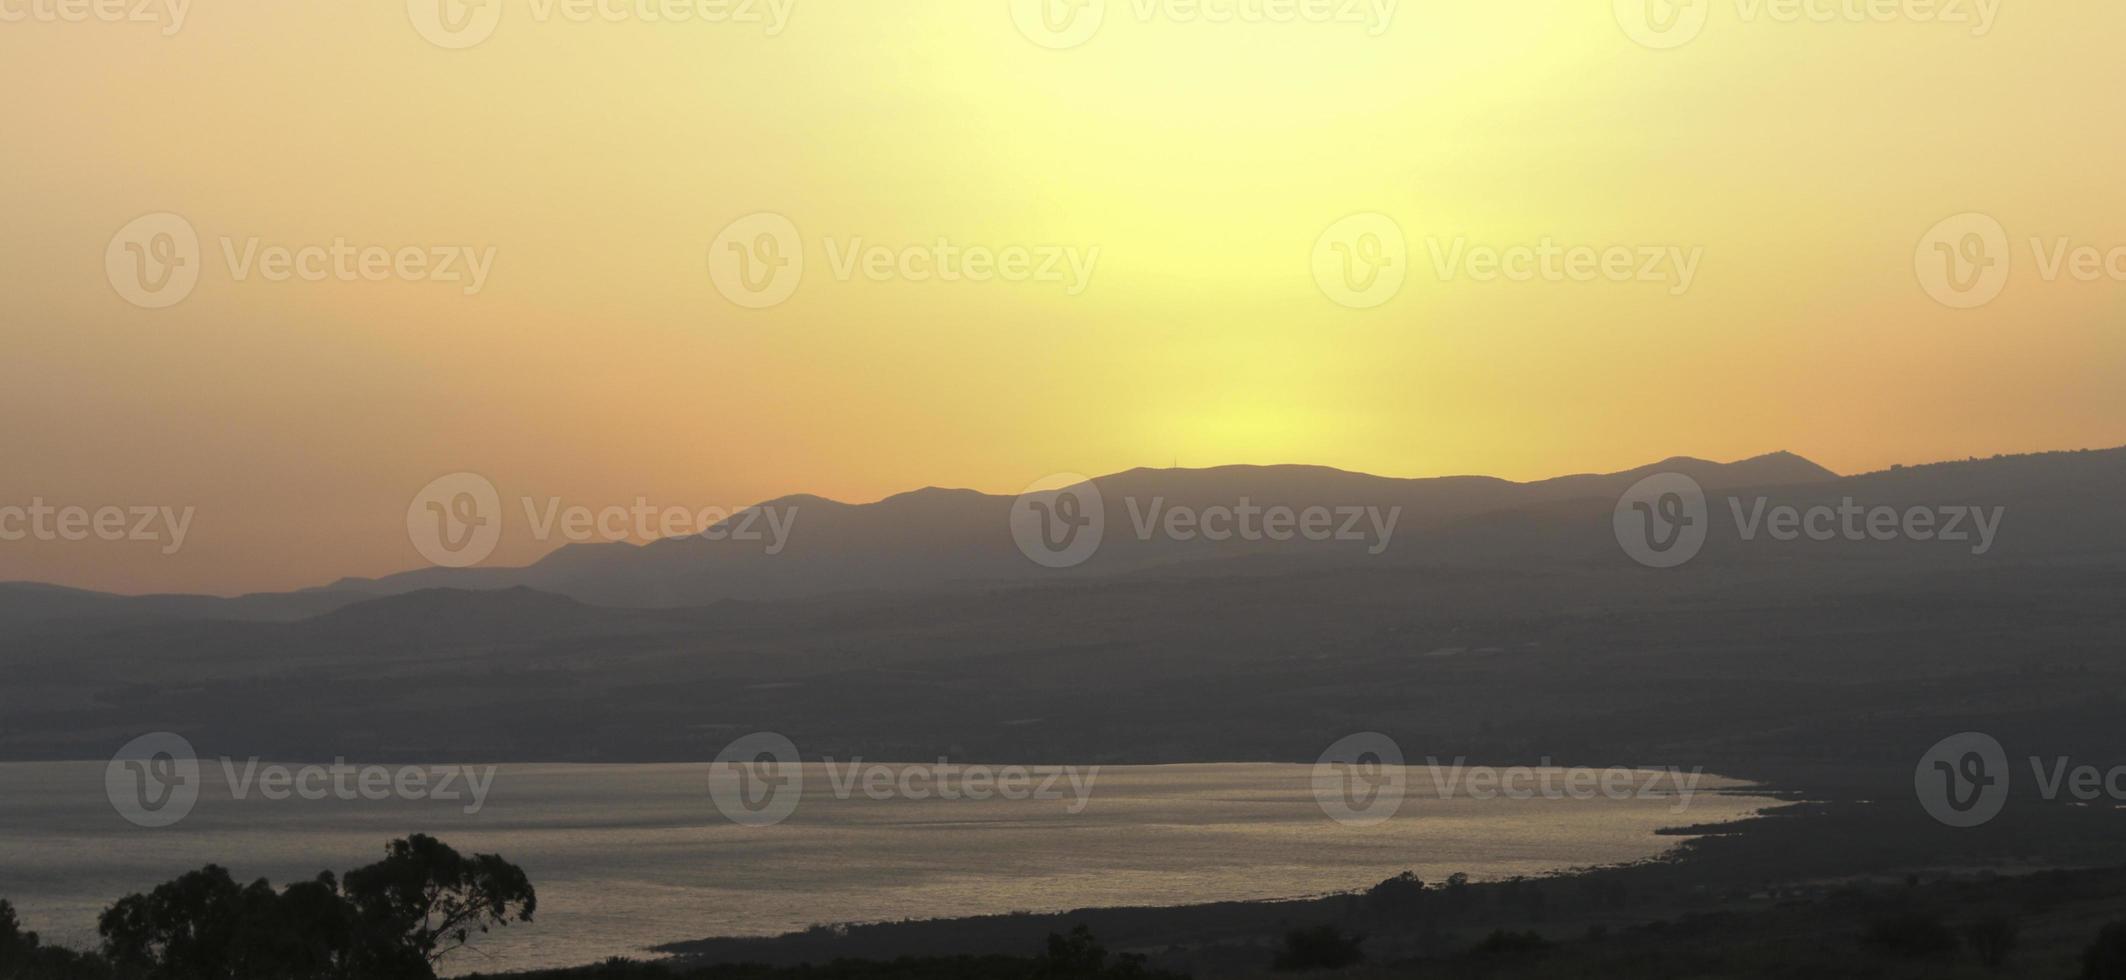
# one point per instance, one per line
(24, 957)
(1322, 947)
(1992, 939)
(1403, 894)
(204, 925)
(1504, 941)
(432, 899)
(392, 920)
(1912, 934)
(15, 945)
(1079, 955)
(2106, 958)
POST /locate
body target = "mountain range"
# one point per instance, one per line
(938, 538)
(1504, 621)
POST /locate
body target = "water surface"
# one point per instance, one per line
(629, 856)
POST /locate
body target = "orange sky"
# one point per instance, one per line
(1192, 168)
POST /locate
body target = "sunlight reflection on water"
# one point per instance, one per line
(629, 856)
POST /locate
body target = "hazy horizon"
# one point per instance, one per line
(531, 504)
(1167, 179)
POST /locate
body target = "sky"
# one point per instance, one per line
(280, 266)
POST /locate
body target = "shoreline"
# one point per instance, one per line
(1747, 866)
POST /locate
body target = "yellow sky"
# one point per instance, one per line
(1803, 161)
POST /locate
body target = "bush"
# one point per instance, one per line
(1322, 947)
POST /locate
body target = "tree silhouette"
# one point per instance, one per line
(189, 927)
(392, 920)
(1992, 939)
(2106, 958)
(1322, 947)
(1403, 894)
(433, 898)
(1506, 942)
(1079, 956)
(16, 946)
(22, 957)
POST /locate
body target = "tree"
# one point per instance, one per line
(23, 957)
(1460, 897)
(12, 938)
(309, 930)
(186, 928)
(430, 899)
(1992, 939)
(1322, 947)
(16, 946)
(392, 920)
(1913, 934)
(2106, 958)
(1079, 956)
(1403, 894)
(1503, 942)
(1075, 955)
(205, 926)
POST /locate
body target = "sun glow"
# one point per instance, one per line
(1201, 160)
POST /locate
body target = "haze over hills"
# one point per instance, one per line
(925, 538)
(937, 537)
(1503, 630)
